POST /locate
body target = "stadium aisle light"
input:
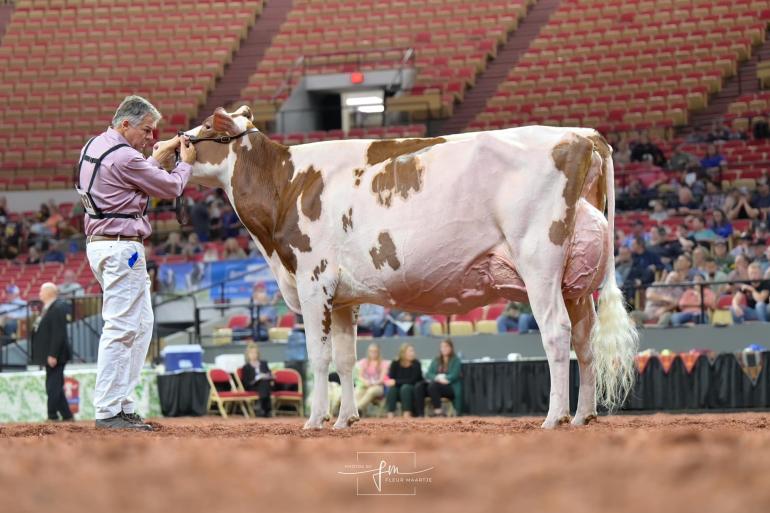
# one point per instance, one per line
(371, 109)
(363, 100)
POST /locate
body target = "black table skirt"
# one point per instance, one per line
(520, 388)
(183, 394)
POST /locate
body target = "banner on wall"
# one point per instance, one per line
(241, 276)
(72, 392)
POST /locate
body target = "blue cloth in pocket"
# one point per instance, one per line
(133, 259)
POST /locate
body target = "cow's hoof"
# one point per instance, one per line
(584, 421)
(552, 423)
(327, 418)
(343, 423)
(314, 423)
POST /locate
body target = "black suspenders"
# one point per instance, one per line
(92, 210)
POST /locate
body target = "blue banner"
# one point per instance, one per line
(239, 277)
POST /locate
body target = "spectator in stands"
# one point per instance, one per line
(659, 213)
(740, 272)
(660, 302)
(443, 380)
(55, 253)
(690, 304)
(714, 197)
(683, 267)
(212, 253)
(635, 196)
(700, 232)
(44, 213)
(658, 246)
(3, 211)
(640, 269)
(699, 256)
(622, 153)
(200, 220)
(371, 376)
(215, 217)
(10, 245)
(737, 205)
(712, 272)
(371, 319)
(231, 225)
(696, 136)
(685, 203)
(52, 223)
(744, 245)
(526, 319)
(681, 160)
(233, 250)
(721, 225)
(684, 242)
(172, 246)
(509, 318)
(258, 378)
(404, 374)
(765, 260)
(398, 323)
(13, 310)
(33, 256)
(713, 163)
(761, 199)
(637, 231)
(70, 286)
(722, 257)
(642, 257)
(750, 302)
(718, 132)
(425, 324)
(622, 265)
(193, 246)
(264, 311)
(644, 149)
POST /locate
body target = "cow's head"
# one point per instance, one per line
(214, 160)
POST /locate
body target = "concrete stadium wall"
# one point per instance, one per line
(497, 347)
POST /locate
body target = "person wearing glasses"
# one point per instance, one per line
(115, 182)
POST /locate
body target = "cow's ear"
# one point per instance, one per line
(224, 123)
(246, 111)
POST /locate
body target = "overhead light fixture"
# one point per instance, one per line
(371, 109)
(363, 100)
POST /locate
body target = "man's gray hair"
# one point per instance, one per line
(134, 109)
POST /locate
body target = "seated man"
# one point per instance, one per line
(509, 319)
(12, 311)
(371, 319)
(690, 304)
(750, 302)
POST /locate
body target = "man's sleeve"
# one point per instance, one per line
(147, 175)
(59, 331)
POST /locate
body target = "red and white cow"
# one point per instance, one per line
(436, 225)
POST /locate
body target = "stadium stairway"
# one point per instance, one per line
(497, 69)
(6, 9)
(742, 83)
(236, 75)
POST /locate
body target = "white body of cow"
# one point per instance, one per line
(444, 228)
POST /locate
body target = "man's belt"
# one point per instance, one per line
(98, 238)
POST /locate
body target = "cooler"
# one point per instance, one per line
(183, 357)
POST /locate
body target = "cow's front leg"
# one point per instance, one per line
(319, 350)
(344, 353)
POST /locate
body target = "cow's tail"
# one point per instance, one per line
(614, 340)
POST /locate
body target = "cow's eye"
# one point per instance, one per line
(207, 127)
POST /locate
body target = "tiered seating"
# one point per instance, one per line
(29, 277)
(618, 65)
(65, 66)
(380, 132)
(452, 40)
(747, 110)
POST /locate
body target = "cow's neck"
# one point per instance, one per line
(261, 172)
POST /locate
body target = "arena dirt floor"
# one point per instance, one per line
(703, 463)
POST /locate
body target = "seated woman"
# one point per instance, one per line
(443, 379)
(370, 382)
(404, 374)
(258, 378)
(690, 304)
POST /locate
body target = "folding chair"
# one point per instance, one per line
(232, 396)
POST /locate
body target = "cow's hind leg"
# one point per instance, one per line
(583, 315)
(344, 354)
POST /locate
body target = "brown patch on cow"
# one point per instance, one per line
(380, 151)
(311, 194)
(327, 321)
(597, 196)
(347, 220)
(358, 173)
(385, 253)
(318, 270)
(572, 158)
(399, 177)
(265, 197)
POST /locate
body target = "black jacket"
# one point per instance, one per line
(50, 337)
(405, 375)
(249, 373)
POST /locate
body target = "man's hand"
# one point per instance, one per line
(163, 151)
(52, 362)
(187, 151)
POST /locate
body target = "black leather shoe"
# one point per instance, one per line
(120, 422)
